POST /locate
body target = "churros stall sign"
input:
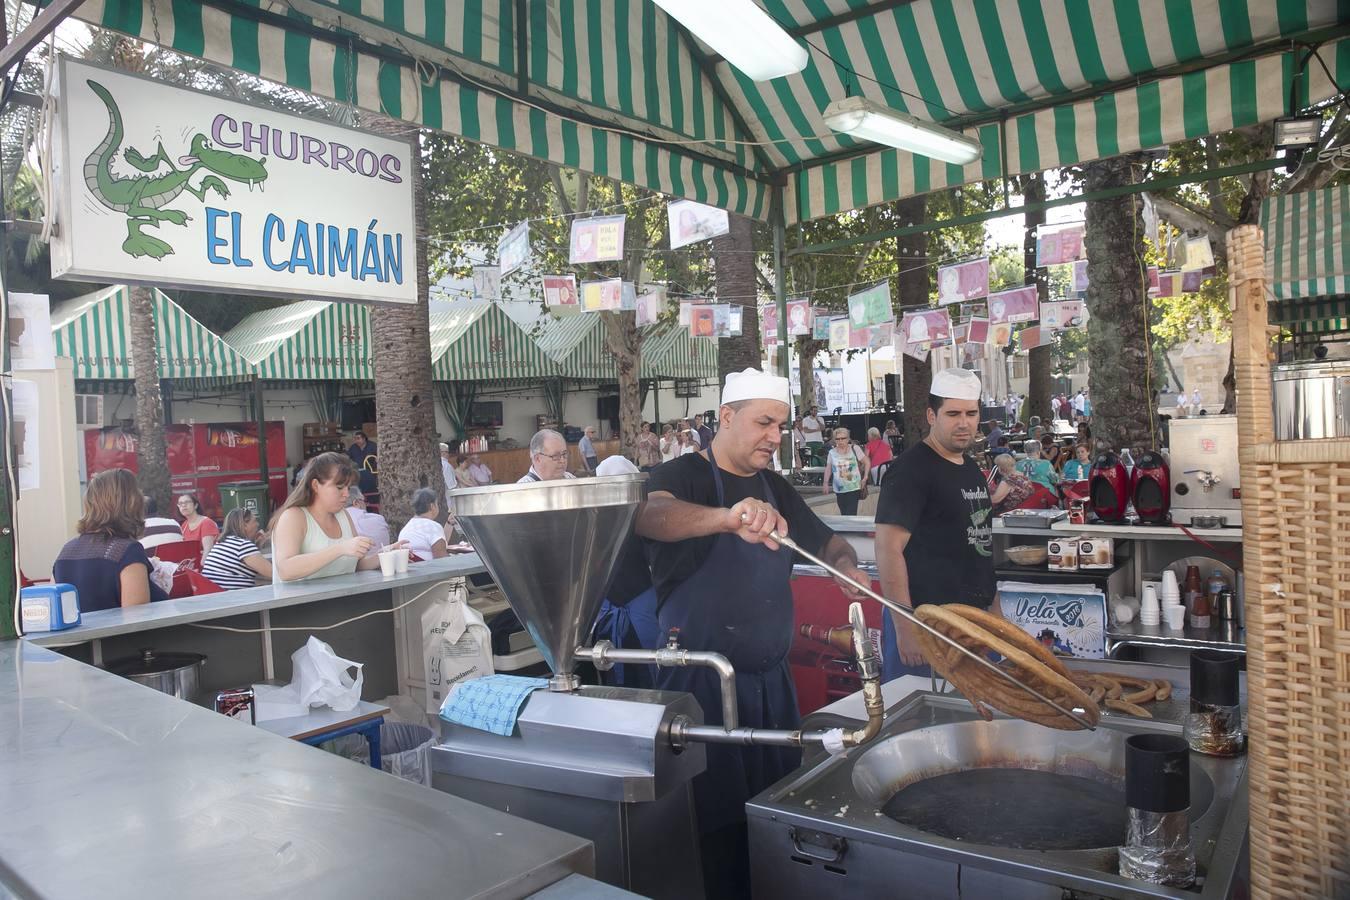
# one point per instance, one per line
(162, 185)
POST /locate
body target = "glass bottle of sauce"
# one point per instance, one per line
(1195, 598)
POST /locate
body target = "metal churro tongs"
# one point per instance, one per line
(907, 613)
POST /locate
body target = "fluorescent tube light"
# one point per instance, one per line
(742, 34)
(1297, 131)
(862, 118)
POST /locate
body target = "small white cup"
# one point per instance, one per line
(1150, 598)
(1176, 617)
(401, 560)
(388, 562)
(1169, 583)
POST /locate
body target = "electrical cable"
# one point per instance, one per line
(373, 612)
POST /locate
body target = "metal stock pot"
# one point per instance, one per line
(176, 674)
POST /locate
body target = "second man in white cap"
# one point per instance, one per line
(934, 526)
(724, 583)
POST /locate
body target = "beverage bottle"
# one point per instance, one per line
(1193, 595)
(1215, 587)
(840, 637)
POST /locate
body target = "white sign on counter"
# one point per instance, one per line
(169, 186)
(1068, 619)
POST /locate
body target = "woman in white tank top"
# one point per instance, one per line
(314, 537)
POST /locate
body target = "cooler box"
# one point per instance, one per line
(246, 495)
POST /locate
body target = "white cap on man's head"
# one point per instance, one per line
(616, 465)
(443, 447)
(956, 384)
(752, 384)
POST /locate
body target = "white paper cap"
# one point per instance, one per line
(616, 465)
(752, 384)
(956, 384)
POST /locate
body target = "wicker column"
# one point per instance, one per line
(1296, 518)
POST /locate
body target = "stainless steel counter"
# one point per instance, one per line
(126, 620)
(110, 789)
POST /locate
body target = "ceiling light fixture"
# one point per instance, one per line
(742, 34)
(862, 118)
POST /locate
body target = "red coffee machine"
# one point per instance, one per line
(1151, 488)
(1109, 487)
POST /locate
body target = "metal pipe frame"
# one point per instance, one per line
(604, 656)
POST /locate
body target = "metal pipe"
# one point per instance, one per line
(604, 655)
(907, 613)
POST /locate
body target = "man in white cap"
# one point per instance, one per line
(724, 583)
(934, 530)
(447, 470)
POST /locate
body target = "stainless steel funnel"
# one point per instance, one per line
(551, 546)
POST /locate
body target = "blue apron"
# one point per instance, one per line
(739, 604)
(891, 666)
(630, 627)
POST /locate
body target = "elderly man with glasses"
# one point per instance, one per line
(548, 457)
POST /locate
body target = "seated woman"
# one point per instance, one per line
(107, 563)
(1010, 489)
(423, 534)
(196, 527)
(1080, 467)
(879, 454)
(463, 477)
(1037, 468)
(314, 537)
(234, 560)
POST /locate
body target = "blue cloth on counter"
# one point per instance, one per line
(490, 703)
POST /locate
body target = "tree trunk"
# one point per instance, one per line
(1039, 359)
(1118, 339)
(734, 265)
(807, 350)
(404, 402)
(152, 456)
(912, 289)
(625, 342)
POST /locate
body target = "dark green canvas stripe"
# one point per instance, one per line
(391, 94)
(506, 36)
(1195, 104)
(123, 15)
(1028, 151)
(918, 62)
(877, 57)
(992, 161)
(1149, 98)
(432, 113)
(1108, 133)
(244, 45)
(433, 15)
(595, 47)
(954, 46)
(1242, 92)
(295, 49)
(506, 123)
(858, 170)
(188, 36)
(468, 114)
(624, 75)
(1084, 31)
(1292, 16)
(471, 24)
(1042, 48)
(996, 49)
(673, 93)
(538, 34)
(923, 182)
(538, 133)
(1181, 27)
(1328, 244)
(651, 89)
(1343, 194)
(1133, 37)
(1066, 136)
(1237, 28)
(761, 110)
(890, 174)
(627, 172)
(830, 183)
(571, 144)
(571, 52)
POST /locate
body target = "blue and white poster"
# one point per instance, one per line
(1067, 619)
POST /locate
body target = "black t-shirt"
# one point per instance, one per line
(690, 478)
(945, 508)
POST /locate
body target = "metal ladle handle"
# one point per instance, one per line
(907, 613)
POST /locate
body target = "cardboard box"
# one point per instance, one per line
(1068, 619)
(1063, 555)
(1096, 553)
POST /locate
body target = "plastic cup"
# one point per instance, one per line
(1176, 617)
(1150, 598)
(401, 560)
(388, 562)
(1169, 584)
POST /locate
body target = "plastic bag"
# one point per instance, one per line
(321, 679)
(456, 644)
(161, 574)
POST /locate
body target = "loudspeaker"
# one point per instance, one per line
(892, 389)
(607, 408)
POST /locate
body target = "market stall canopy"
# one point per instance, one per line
(668, 351)
(95, 331)
(480, 342)
(619, 89)
(312, 340)
(578, 345)
(1307, 236)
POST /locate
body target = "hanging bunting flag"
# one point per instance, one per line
(1199, 254)
(768, 324)
(597, 240)
(1080, 279)
(964, 281)
(979, 331)
(1063, 314)
(1056, 245)
(736, 322)
(685, 314)
(919, 325)
(703, 322)
(650, 306)
(858, 337)
(839, 332)
(820, 327)
(628, 298)
(1000, 334)
(799, 316)
(871, 306)
(882, 335)
(691, 222)
(1192, 281)
(916, 351)
(514, 249)
(959, 333)
(560, 291)
(722, 320)
(601, 295)
(1017, 305)
(1153, 281)
(1169, 284)
(968, 311)
(1034, 336)
(971, 352)
(487, 283)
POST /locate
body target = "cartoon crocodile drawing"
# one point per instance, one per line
(143, 197)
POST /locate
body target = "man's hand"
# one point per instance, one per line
(908, 639)
(857, 575)
(752, 521)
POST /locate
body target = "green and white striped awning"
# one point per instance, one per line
(312, 340)
(1307, 238)
(94, 331)
(578, 345)
(479, 342)
(617, 88)
(669, 352)
(1312, 315)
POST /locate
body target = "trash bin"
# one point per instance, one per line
(403, 750)
(246, 495)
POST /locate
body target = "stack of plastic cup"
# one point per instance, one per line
(1170, 602)
(1150, 612)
